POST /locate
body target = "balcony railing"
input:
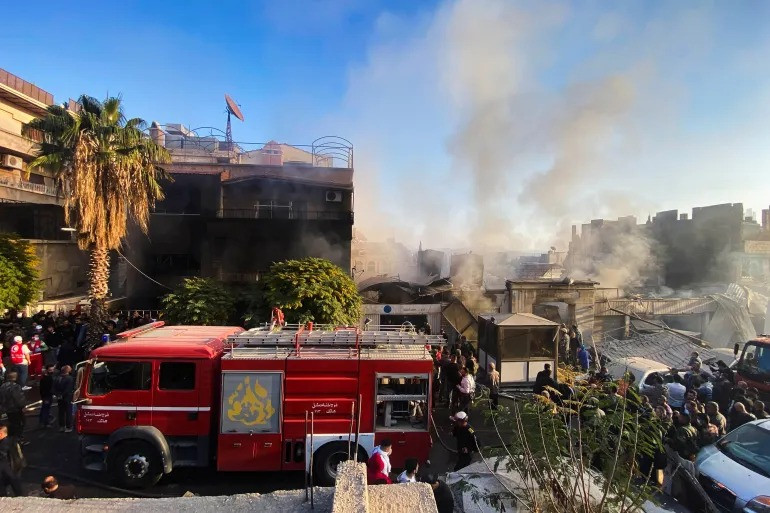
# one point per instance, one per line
(27, 186)
(275, 212)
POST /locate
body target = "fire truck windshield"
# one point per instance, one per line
(119, 375)
(756, 361)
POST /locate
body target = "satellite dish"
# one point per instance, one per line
(233, 108)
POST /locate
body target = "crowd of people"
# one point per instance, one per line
(700, 407)
(43, 349)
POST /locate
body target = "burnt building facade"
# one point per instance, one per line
(231, 221)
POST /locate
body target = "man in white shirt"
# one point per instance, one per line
(466, 388)
(676, 391)
(409, 475)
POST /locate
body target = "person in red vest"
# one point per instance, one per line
(36, 348)
(20, 360)
(378, 466)
(276, 318)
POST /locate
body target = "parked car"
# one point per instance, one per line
(735, 471)
(640, 368)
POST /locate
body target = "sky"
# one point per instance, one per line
(486, 124)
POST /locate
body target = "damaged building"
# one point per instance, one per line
(717, 244)
(230, 213)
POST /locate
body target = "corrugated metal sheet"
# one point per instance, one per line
(657, 306)
(665, 347)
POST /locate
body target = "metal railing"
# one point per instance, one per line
(327, 151)
(28, 186)
(24, 87)
(274, 212)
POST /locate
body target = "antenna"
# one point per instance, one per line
(235, 110)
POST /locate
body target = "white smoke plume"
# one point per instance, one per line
(461, 142)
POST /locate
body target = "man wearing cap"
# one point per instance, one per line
(466, 440)
(20, 360)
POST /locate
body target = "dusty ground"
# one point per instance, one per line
(412, 497)
(278, 502)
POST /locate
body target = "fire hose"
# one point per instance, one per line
(438, 436)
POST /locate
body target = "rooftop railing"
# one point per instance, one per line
(327, 151)
(25, 88)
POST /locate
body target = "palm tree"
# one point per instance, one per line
(107, 171)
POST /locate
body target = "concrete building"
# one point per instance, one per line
(716, 244)
(371, 259)
(29, 205)
(567, 301)
(230, 221)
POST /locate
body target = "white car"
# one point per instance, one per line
(735, 471)
(641, 368)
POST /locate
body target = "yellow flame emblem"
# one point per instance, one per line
(249, 405)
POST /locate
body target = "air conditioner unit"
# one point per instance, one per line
(12, 161)
(334, 196)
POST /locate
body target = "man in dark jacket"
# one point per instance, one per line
(467, 443)
(64, 388)
(739, 416)
(445, 502)
(12, 403)
(7, 476)
(46, 395)
(543, 379)
(453, 378)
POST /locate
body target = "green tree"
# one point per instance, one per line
(19, 276)
(313, 289)
(107, 171)
(199, 301)
(579, 454)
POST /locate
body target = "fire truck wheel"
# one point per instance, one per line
(327, 458)
(135, 464)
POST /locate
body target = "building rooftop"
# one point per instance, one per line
(25, 94)
(518, 319)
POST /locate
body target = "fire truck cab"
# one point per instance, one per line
(753, 367)
(163, 397)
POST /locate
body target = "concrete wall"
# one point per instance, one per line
(63, 267)
(578, 297)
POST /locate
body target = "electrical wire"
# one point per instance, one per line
(140, 271)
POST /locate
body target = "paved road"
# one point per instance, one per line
(52, 452)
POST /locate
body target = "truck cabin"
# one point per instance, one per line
(156, 385)
(519, 344)
(754, 364)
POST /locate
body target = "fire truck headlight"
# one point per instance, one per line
(106, 448)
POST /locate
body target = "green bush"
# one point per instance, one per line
(199, 301)
(312, 289)
(19, 275)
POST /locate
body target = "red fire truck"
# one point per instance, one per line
(190, 396)
(753, 367)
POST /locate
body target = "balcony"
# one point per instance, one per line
(288, 213)
(22, 185)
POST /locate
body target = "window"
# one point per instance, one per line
(513, 343)
(756, 360)
(177, 376)
(402, 402)
(109, 376)
(541, 343)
